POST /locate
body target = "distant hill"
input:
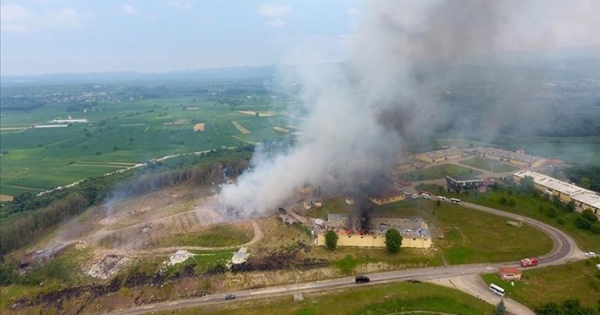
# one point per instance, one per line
(218, 74)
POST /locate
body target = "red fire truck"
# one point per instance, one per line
(528, 262)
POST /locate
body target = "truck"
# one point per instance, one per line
(529, 262)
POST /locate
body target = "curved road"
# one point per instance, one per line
(565, 249)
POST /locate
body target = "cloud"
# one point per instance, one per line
(275, 13)
(128, 9)
(180, 4)
(16, 18)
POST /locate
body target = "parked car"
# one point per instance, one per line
(415, 196)
(229, 296)
(590, 254)
(598, 266)
(362, 279)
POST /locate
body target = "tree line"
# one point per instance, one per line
(24, 222)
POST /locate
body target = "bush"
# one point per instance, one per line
(552, 213)
(595, 228)
(560, 221)
(582, 223)
(589, 215)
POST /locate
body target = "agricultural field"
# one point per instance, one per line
(489, 165)
(124, 129)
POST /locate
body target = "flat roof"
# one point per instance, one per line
(509, 154)
(590, 199)
(552, 183)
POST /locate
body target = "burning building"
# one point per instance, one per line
(360, 232)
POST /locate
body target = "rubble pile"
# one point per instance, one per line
(179, 257)
(107, 267)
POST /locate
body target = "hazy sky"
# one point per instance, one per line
(49, 36)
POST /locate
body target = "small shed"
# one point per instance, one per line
(509, 273)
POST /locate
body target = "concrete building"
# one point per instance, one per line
(463, 182)
(386, 197)
(518, 158)
(440, 155)
(583, 198)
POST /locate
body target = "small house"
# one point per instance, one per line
(509, 273)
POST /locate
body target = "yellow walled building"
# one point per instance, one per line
(440, 155)
(374, 240)
(386, 198)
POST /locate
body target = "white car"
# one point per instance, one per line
(590, 254)
(598, 266)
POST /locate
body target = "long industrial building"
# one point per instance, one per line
(518, 158)
(583, 198)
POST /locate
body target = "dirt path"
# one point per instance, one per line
(162, 251)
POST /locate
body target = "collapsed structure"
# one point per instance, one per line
(370, 232)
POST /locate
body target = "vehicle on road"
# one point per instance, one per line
(598, 266)
(361, 279)
(426, 196)
(442, 198)
(529, 262)
(590, 254)
(229, 296)
(496, 289)
(414, 196)
(455, 201)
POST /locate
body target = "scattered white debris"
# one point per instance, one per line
(179, 257)
(108, 266)
(240, 256)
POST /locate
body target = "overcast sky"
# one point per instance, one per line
(49, 36)
(55, 36)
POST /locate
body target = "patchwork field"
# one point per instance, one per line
(121, 133)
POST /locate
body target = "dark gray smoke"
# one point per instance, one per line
(408, 61)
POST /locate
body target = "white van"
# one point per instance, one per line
(425, 196)
(442, 198)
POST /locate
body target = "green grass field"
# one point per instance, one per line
(381, 299)
(554, 284)
(132, 131)
(437, 172)
(469, 236)
(489, 165)
(214, 236)
(530, 207)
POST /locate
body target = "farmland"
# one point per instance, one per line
(124, 127)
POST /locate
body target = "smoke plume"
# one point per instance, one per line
(392, 91)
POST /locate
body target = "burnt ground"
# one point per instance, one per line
(137, 288)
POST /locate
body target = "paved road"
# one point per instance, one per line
(565, 249)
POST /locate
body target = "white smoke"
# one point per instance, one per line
(359, 115)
